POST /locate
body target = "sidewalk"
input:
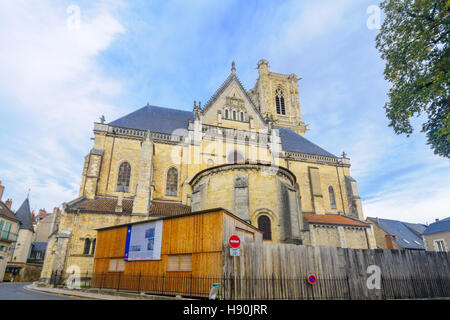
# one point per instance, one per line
(96, 294)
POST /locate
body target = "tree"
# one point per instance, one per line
(414, 40)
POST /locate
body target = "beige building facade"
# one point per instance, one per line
(437, 236)
(9, 227)
(243, 151)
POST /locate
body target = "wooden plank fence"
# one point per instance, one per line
(278, 271)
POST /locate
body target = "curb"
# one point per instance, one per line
(101, 295)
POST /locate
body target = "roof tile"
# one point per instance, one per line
(332, 219)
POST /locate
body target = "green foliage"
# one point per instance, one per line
(414, 41)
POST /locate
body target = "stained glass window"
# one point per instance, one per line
(332, 198)
(123, 181)
(264, 226)
(279, 101)
(172, 182)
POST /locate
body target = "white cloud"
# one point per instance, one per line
(54, 91)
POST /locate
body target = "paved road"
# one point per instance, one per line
(16, 291)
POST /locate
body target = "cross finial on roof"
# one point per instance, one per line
(233, 67)
(28, 194)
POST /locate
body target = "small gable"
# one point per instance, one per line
(231, 107)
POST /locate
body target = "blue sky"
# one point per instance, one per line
(56, 81)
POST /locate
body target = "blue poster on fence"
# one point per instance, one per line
(144, 241)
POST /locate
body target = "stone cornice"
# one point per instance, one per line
(244, 167)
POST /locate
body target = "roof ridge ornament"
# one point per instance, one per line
(233, 67)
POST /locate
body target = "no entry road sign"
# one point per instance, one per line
(234, 241)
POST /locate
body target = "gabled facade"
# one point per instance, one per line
(399, 235)
(437, 236)
(244, 151)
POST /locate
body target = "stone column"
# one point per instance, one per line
(241, 201)
(142, 199)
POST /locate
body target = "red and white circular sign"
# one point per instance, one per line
(234, 241)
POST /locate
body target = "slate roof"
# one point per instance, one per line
(332, 219)
(38, 246)
(166, 120)
(438, 226)
(24, 216)
(292, 141)
(6, 212)
(108, 205)
(156, 119)
(406, 233)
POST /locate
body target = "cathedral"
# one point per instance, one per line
(243, 151)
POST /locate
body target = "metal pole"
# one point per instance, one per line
(139, 283)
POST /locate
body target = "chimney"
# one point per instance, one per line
(434, 219)
(8, 203)
(2, 188)
(389, 243)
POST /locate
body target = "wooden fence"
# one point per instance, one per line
(279, 271)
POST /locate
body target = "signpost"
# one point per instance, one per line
(311, 279)
(234, 242)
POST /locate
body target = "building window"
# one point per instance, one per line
(93, 246)
(5, 234)
(172, 182)
(181, 262)
(439, 245)
(242, 116)
(332, 198)
(234, 115)
(87, 246)
(279, 101)
(123, 181)
(264, 226)
(226, 113)
(235, 157)
(116, 265)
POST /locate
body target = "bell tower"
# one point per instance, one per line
(276, 96)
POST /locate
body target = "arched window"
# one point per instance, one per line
(332, 198)
(264, 226)
(87, 245)
(235, 157)
(93, 246)
(242, 116)
(279, 101)
(226, 113)
(234, 115)
(172, 182)
(123, 181)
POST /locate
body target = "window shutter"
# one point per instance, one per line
(185, 262)
(112, 265)
(173, 263)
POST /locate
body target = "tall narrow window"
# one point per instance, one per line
(242, 116)
(264, 226)
(234, 115)
(93, 246)
(123, 181)
(279, 101)
(172, 182)
(332, 198)
(87, 246)
(226, 113)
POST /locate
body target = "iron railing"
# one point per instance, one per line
(235, 287)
